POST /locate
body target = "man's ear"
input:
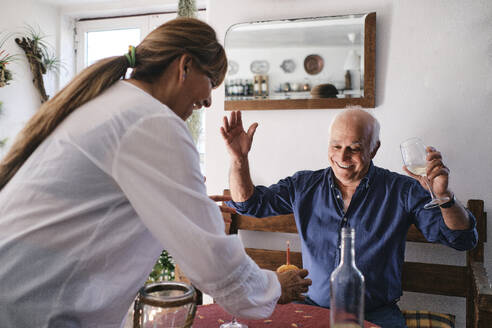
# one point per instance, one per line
(375, 150)
(184, 66)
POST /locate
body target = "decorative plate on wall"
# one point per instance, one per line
(313, 64)
(288, 66)
(259, 67)
(232, 67)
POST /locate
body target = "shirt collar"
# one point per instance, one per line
(365, 181)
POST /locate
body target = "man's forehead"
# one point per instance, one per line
(351, 143)
(354, 131)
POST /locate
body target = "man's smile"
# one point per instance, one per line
(343, 166)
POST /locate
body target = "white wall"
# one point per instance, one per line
(433, 80)
(20, 98)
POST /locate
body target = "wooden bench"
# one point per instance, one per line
(468, 281)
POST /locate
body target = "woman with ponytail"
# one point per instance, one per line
(104, 176)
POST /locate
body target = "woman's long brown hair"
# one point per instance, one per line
(153, 55)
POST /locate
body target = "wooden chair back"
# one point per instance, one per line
(449, 280)
(267, 259)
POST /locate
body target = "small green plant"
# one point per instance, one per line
(40, 55)
(163, 270)
(5, 59)
(43, 51)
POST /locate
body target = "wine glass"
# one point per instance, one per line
(233, 324)
(414, 156)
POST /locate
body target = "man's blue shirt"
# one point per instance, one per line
(381, 210)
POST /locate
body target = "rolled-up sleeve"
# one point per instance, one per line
(268, 201)
(431, 222)
(461, 240)
(157, 167)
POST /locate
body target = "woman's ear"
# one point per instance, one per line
(185, 62)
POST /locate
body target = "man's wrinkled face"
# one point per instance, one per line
(349, 152)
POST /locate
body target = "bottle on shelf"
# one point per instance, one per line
(240, 88)
(347, 287)
(257, 86)
(232, 88)
(246, 90)
(264, 85)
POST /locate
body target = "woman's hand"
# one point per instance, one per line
(224, 208)
(294, 285)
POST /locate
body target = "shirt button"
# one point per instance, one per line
(338, 196)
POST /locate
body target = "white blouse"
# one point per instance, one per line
(85, 218)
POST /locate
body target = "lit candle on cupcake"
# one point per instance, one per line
(287, 266)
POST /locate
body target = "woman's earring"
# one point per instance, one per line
(184, 76)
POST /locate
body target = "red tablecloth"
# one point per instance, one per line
(285, 316)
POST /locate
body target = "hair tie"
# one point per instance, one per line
(130, 55)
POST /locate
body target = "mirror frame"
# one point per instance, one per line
(368, 101)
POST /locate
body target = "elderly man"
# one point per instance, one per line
(380, 204)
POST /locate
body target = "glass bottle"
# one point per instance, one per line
(347, 287)
(264, 85)
(240, 87)
(227, 88)
(250, 87)
(257, 86)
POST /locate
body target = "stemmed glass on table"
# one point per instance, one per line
(414, 156)
(233, 324)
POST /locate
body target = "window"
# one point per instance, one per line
(101, 38)
(101, 44)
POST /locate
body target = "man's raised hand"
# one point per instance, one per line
(237, 140)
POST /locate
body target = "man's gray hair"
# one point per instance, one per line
(375, 127)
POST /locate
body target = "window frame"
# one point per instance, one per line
(146, 23)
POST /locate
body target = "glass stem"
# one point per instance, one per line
(427, 182)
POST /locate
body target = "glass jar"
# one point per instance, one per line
(167, 304)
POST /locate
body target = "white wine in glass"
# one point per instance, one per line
(233, 324)
(418, 170)
(414, 157)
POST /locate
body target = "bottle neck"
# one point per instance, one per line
(348, 250)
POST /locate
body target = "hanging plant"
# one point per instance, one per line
(41, 57)
(5, 59)
(187, 8)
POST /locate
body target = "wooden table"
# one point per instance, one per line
(285, 316)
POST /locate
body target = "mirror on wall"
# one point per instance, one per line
(305, 63)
